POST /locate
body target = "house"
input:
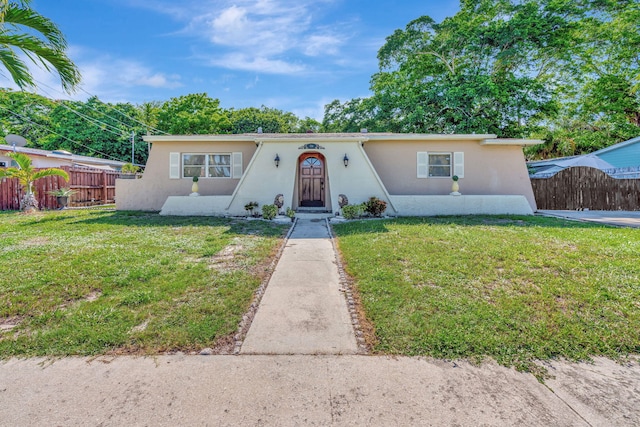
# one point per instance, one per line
(411, 172)
(620, 160)
(56, 159)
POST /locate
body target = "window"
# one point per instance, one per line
(206, 165)
(440, 165)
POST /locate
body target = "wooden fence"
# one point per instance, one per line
(586, 188)
(93, 187)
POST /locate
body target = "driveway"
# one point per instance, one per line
(617, 218)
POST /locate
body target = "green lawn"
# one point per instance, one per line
(513, 288)
(93, 282)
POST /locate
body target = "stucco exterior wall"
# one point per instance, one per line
(380, 165)
(488, 169)
(263, 180)
(151, 191)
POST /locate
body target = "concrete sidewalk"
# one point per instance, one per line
(303, 310)
(312, 391)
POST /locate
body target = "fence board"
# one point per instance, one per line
(586, 188)
(93, 186)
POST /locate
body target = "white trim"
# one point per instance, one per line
(422, 168)
(236, 165)
(458, 164)
(175, 171)
(511, 141)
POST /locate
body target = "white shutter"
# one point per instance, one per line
(423, 164)
(458, 164)
(236, 160)
(174, 166)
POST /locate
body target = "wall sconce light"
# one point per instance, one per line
(345, 159)
(277, 160)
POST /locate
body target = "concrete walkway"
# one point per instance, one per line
(303, 310)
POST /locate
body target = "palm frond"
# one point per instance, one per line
(16, 67)
(16, 15)
(42, 42)
(50, 172)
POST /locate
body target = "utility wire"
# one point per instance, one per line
(61, 136)
(103, 113)
(95, 121)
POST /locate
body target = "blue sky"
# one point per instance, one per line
(292, 55)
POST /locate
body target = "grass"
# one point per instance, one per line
(94, 282)
(517, 289)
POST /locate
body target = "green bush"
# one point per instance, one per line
(375, 207)
(269, 211)
(352, 211)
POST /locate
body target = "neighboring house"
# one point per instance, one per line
(620, 160)
(54, 159)
(411, 172)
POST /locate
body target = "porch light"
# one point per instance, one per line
(345, 160)
(277, 160)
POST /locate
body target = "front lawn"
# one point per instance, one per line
(513, 288)
(93, 282)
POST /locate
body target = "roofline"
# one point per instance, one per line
(48, 154)
(484, 139)
(616, 146)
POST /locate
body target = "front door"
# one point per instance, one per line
(312, 180)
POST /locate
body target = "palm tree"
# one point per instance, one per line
(24, 29)
(27, 175)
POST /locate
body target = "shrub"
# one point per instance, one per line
(352, 211)
(375, 207)
(129, 168)
(290, 213)
(249, 207)
(269, 211)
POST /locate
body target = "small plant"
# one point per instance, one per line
(375, 207)
(62, 192)
(129, 168)
(352, 211)
(455, 177)
(269, 211)
(290, 213)
(195, 179)
(249, 207)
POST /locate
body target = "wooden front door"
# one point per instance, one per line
(311, 181)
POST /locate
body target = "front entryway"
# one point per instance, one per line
(311, 180)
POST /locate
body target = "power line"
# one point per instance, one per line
(61, 136)
(95, 121)
(103, 113)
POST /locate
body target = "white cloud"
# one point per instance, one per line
(265, 35)
(240, 61)
(317, 45)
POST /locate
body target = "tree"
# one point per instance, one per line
(97, 129)
(27, 175)
(25, 114)
(193, 114)
(484, 70)
(23, 29)
(269, 120)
